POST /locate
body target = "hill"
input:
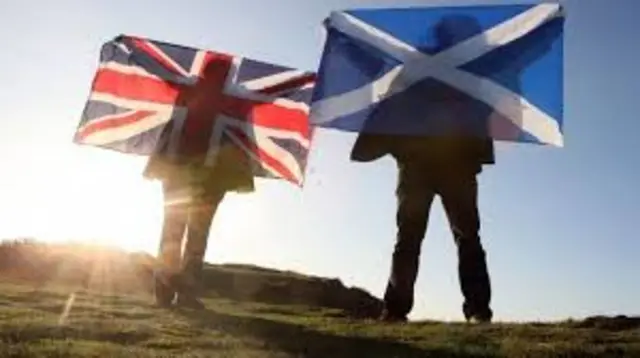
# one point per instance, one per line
(102, 269)
(80, 301)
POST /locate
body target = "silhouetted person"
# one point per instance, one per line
(444, 164)
(192, 191)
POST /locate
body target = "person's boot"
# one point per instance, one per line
(187, 293)
(164, 288)
(189, 301)
(477, 316)
(390, 317)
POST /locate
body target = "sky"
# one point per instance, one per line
(559, 224)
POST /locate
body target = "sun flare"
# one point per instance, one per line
(92, 196)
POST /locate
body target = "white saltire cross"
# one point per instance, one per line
(416, 66)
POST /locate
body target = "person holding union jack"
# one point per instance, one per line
(192, 193)
(211, 122)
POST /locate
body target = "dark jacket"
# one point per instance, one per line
(435, 152)
(232, 170)
(462, 147)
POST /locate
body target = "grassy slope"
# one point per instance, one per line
(32, 324)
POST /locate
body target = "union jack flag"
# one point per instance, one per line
(149, 96)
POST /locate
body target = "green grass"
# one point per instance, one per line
(33, 323)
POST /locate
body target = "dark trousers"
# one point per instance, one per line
(187, 219)
(418, 184)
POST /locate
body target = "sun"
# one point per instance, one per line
(96, 196)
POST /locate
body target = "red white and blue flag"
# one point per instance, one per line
(149, 96)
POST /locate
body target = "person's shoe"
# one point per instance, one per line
(190, 302)
(389, 317)
(479, 318)
(163, 290)
(475, 315)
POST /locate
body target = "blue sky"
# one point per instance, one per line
(558, 224)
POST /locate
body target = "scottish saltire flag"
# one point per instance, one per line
(493, 71)
(149, 95)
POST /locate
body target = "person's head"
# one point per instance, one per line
(456, 28)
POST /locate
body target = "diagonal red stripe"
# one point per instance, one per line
(144, 46)
(102, 125)
(264, 156)
(290, 84)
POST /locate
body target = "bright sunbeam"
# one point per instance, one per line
(83, 194)
(64, 316)
(99, 197)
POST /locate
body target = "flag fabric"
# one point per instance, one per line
(149, 96)
(494, 71)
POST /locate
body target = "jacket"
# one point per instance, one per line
(232, 170)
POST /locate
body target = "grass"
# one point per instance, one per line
(53, 321)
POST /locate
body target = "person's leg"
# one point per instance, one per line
(414, 201)
(176, 203)
(459, 194)
(201, 215)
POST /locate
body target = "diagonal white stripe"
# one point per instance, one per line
(262, 141)
(177, 114)
(221, 123)
(175, 66)
(123, 47)
(419, 66)
(232, 75)
(463, 52)
(121, 133)
(198, 63)
(283, 156)
(267, 81)
(107, 118)
(247, 90)
(231, 88)
(127, 69)
(259, 97)
(134, 104)
(283, 134)
(285, 91)
(253, 155)
(500, 35)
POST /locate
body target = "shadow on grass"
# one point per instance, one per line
(25, 334)
(34, 296)
(617, 323)
(301, 341)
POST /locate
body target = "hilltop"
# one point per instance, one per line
(113, 271)
(74, 300)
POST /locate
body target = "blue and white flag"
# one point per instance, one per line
(494, 71)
